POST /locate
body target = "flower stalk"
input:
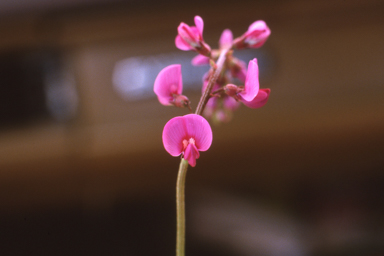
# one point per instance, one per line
(217, 70)
(180, 208)
(180, 185)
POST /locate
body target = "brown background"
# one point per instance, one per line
(102, 183)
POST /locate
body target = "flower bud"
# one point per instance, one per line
(231, 90)
(180, 101)
(191, 38)
(256, 35)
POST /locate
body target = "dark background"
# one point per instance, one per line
(82, 167)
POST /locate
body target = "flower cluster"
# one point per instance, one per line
(189, 134)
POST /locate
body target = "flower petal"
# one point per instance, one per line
(230, 103)
(191, 154)
(167, 83)
(258, 32)
(181, 44)
(199, 25)
(258, 25)
(226, 39)
(174, 133)
(200, 60)
(251, 86)
(198, 128)
(260, 100)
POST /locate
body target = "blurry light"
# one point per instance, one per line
(60, 91)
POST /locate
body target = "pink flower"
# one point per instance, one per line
(224, 42)
(230, 103)
(187, 135)
(169, 86)
(226, 39)
(200, 60)
(249, 95)
(260, 99)
(251, 86)
(256, 35)
(219, 108)
(191, 38)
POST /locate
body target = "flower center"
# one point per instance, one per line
(187, 142)
(252, 40)
(173, 89)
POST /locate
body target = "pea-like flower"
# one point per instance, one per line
(187, 135)
(169, 86)
(219, 108)
(256, 35)
(225, 41)
(249, 94)
(191, 38)
(260, 99)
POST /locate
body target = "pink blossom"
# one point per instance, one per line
(260, 99)
(226, 39)
(187, 135)
(200, 60)
(219, 109)
(210, 107)
(169, 86)
(250, 95)
(230, 103)
(191, 38)
(256, 35)
(251, 86)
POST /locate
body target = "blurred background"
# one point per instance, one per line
(82, 166)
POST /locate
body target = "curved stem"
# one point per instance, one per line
(180, 208)
(212, 80)
(180, 185)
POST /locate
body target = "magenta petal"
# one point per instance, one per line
(200, 60)
(181, 44)
(186, 32)
(199, 129)
(258, 32)
(230, 103)
(260, 100)
(258, 25)
(199, 24)
(226, 39)
(167, 83)
(251, 86)
(191, 154)
(173, 135)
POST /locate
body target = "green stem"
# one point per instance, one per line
(180, 208)
(180, 185)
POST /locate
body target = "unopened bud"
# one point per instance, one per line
(231, 90)
(256, 35)
(180, 101)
